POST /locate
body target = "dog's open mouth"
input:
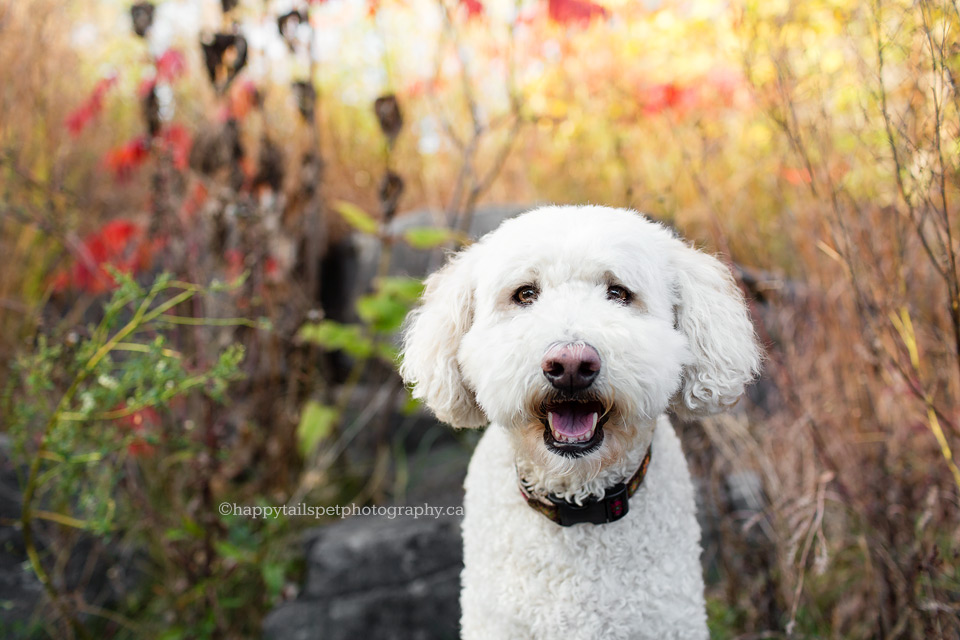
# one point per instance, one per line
(574, 429)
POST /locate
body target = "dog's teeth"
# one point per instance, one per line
(556, 434)
(595, 417)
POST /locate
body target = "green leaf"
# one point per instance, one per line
(388, 352)
(356, 217)
(404, 288)
(382, 313)
(192, 528)
(431, 237)
(385, 309)
(410, 405)
(233, 552)
(333, 335)
(218, 286)
(273, 575)
(316, 422)
(175, 535)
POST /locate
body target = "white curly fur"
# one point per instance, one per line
(474, 357)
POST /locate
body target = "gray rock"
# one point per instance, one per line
(20, 591)
(365, 553)
(377, 577)
(745, 492)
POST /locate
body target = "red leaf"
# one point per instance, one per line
(80, 117)
(60, 281)
(235, 260)
(662, 97)
(242, 98)
(171, 65)
(110, 245)
(124, 159)
(138, 420)
(574, 11)
(119, 244)
(177, 140)
(796, 176)
(116, 235)
(422, 86)
(474, 8)
(141, 449)
(145, 87)
(271, 268)
(193, 202)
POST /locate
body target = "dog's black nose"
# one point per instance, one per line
(571, 366)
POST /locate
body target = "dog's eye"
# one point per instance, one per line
(525, 295)
(619, 294)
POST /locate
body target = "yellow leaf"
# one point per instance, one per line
(356, 217)
(316, 422)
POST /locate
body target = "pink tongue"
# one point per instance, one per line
(572, 423)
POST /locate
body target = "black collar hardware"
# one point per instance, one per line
(613, 506)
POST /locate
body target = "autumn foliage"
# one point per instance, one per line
(118, 244)
(813, 144)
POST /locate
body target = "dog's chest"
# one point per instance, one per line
(622, 579)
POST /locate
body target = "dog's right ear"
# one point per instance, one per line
(431, 339)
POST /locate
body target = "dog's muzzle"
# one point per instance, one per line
(573, 419)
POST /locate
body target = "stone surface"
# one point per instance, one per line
(20, 591)
(377, 577)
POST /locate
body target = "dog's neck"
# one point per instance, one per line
(575, 480)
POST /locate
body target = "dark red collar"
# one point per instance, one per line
(611, 507)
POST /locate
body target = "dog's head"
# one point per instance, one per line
(577, 326)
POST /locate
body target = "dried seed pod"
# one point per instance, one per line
(213, 149)
(142, 15)
(388, 114)
(224, 55)
(311, 172)
(391, 188)
(151, 111)
(269, 166)
(288, 23)
(231, 134)
(306, 97)
(205, 154)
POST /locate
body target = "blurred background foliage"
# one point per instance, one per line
(180, 183)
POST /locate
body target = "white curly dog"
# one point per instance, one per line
(572, 331)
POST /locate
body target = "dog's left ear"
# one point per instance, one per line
(711, 312)
(431, 339)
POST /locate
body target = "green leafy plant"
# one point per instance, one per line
(90, 415)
